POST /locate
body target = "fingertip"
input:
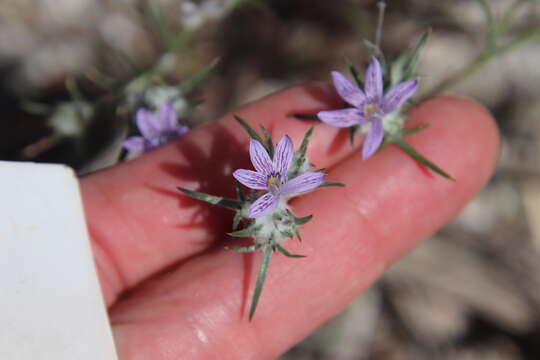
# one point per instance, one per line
(401, 199)
(306, 98)
(464, 136)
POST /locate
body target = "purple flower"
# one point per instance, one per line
(271, 175)
(370, 105)
(156, 129)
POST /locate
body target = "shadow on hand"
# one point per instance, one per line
(207, 170)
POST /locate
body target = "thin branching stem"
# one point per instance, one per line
(508, 16)
(483, 59)
(491, 24)
(380, 23)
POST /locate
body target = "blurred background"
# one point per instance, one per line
(72, 73)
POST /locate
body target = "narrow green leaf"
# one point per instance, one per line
(196, 80)
(491, 24)
(286, 234)
(397, 68)
(244, 249)
(415, 130)
(282, 250)
(305, 143)
(352, 131)
(267, 255)
(215, 200)
(304, 117)
(303, 220)
(297, 234)
(412, 152)
(246, 232)
(508, 15)
(300, 156)
(354, 73)
(77, 97)
(404, 67)
(249, 129)
(410, 69)
(269, 143)
(122, 156)
(236, 220)
(329, 184)
(36, 108)
(192, 105)
(240, 191)
(73, 90)
(156, 21)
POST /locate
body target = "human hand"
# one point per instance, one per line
(174, 293)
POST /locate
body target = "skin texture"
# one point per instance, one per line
(174, 293)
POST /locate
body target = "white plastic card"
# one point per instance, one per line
(50, 303)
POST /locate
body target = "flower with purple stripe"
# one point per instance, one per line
(156, 129)
(271, 175)
(370, 105)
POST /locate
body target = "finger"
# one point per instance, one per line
(139, 223)
(199, 310)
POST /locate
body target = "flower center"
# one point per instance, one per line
(372, 111)
(274, 184)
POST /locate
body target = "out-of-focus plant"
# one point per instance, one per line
(501, 38)
(150, 87)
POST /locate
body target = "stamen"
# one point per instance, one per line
(372, 111)
(274, 184)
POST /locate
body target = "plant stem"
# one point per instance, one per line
(491, 24)
(508, 15)
(380, 23)
(35, 149)
(483, 59)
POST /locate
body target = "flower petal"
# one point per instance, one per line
(302, 183)
(181, 130)
(342, 118)
(348, 90)
(134, 144)
(152, 144)
(397, 95)
(259, 158)
(147, 123)
(374, 81)
(251, 179)
(167, 117)
(283, 155)
(374, 139)
(263, 205)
